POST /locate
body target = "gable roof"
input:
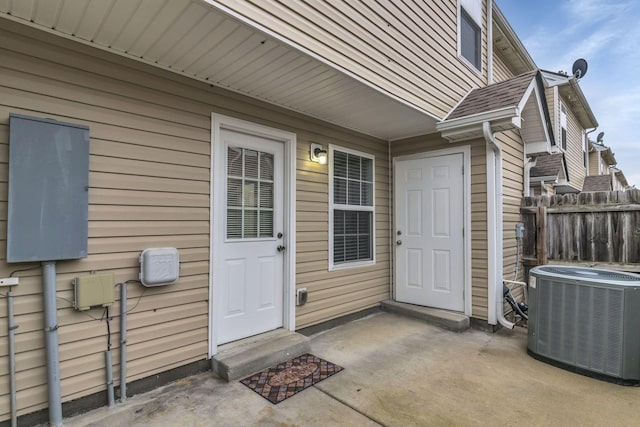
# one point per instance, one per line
(605, 152)
(551, 165)
(597, 183)
(516, 103)
(573, 96)
(507, 93)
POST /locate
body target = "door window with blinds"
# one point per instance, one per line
(351, 216)
(249, 194)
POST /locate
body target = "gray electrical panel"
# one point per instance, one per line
(48, 190)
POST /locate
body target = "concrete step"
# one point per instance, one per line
(244, 357)
(450, 320)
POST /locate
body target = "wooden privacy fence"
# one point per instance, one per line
(592, 229)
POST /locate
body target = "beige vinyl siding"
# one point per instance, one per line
(501, 70)
(408, 49)
(594, 163)
(513, 190)
(573, 155)
(149, 186)
(551, 94)
(348, 290)
(478, 261)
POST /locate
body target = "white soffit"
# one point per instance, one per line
(195, 40)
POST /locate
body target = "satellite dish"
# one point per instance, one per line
(600, 137)
(579, 68)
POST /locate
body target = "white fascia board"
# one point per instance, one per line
(550, 178)
(477, 119)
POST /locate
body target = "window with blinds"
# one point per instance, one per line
(249, 194)
(352, 208)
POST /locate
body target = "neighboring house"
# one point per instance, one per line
(203, 119)
(572, 120)
(602, 168)
(549, 170)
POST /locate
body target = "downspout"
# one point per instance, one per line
(529, 164)
(494, 227)
(489, 42)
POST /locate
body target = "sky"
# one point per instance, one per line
(607, 34)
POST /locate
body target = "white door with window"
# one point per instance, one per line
(429, 240)
(249, 249)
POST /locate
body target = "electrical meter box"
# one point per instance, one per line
(159, 266)
(48, 205)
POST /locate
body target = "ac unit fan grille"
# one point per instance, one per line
(581, 325)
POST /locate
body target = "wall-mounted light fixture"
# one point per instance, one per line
(318, 154)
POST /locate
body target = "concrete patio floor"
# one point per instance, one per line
(398, 372)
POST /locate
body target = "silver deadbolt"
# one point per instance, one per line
(279, 235)
(399, 232)
(281, 248)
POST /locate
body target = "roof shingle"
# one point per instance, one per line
(549, 165)
(507, 93)
(597, 183)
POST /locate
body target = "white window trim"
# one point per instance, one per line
(563, 115)
(464, 60)
(353, 264)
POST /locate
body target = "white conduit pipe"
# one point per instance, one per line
(494, 227)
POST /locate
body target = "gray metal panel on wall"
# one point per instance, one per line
(48, 190)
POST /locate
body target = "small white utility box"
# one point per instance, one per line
(159, 266)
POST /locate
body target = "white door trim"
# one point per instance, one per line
(219, 122)
(466, 161)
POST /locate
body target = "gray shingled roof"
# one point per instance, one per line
(549, 165)
(597, 183)
(507, 93)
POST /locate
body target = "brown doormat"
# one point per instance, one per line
(288, 378)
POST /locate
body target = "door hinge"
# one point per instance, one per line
(462, 170)
(463, 232)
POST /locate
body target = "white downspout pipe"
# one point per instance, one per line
(528, 165)
(489, 42)
(494, 228)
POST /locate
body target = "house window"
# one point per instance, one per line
(249, 194)
(563, 127)
(470, 33)
(351, 208)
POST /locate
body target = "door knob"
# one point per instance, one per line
(398, 242)
(281, 248)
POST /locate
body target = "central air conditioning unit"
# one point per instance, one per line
(586, 320)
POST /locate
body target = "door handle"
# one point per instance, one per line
(398, 242)
(281, 248)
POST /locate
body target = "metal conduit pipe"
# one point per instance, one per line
(123, 341)
(51, 340)
(11, 329)
(494, 222)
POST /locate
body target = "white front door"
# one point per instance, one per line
(250, 251)
(429, 215)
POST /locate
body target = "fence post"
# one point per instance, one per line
(541, 242)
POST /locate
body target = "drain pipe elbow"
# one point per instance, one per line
(494, 214)
(529, 164)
